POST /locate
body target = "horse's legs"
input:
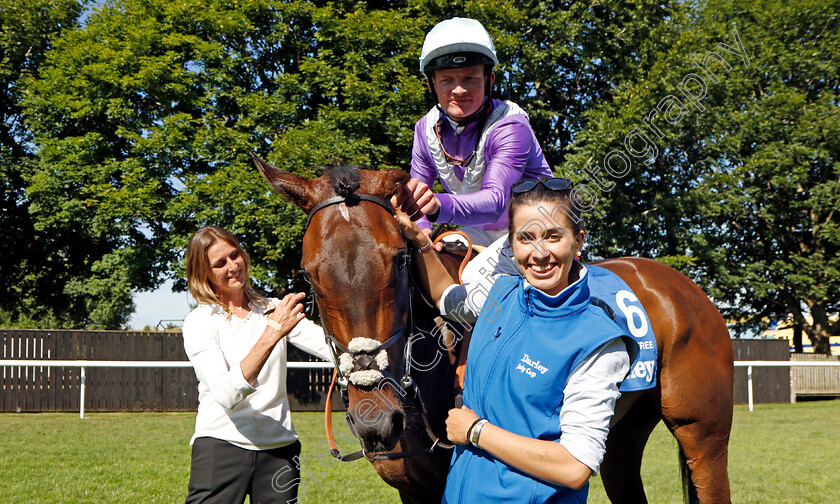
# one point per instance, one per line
(705, 444)
(698, 411)
(620, 470)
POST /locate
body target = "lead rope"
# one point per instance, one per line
(334, 451)
(466, 258)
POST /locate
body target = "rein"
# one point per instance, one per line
(364, 359)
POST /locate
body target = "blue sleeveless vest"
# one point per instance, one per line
(520, 358)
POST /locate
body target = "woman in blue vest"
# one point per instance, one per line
(544, 364)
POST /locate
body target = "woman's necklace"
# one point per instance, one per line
(237, 309)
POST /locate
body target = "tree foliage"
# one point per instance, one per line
(741, 190)
(144, 117)
(139, 124)
(31, 281)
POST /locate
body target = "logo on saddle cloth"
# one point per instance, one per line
(631, 317)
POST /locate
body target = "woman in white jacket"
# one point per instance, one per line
(244, 441)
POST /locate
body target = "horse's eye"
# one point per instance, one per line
(402, 261)
(306, 276)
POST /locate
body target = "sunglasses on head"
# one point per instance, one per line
(552, 184)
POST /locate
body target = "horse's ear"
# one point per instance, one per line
(399, 176)
(296, 189)
(387, 181)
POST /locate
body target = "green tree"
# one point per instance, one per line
(740, 188)
(144, 117)
(148, 100)
(30, 282)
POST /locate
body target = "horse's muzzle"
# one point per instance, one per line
(379, 430)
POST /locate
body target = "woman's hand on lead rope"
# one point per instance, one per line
(458, 424)
(286, 315)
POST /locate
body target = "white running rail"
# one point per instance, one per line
(751, 364)
(83, 364)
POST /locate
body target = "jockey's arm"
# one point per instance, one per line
(507, 153)
(433, 276)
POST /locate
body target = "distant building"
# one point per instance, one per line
(783, 329)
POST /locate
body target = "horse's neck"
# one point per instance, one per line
(437, 382)
(452, 260)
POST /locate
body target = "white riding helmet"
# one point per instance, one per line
(456, 43)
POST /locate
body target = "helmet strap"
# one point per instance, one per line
(478, 114)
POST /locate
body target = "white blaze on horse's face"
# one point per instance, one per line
(342, 208)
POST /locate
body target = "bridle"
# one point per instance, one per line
(349, 199)
(365, 359)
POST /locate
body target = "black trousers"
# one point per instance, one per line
(223, 473)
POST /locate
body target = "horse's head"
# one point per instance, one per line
(356, 260)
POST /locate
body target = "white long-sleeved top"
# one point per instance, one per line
(229, 408)
(589, 403)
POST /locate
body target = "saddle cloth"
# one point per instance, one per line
(630, 315)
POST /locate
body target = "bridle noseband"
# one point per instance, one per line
(363, 360)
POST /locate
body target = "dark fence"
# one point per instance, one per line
(37, 388)
(41, 389)
(307, 388)
(770, 384)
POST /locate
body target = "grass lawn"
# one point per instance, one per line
(779, 454)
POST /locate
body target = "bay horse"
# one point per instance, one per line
(357, 262)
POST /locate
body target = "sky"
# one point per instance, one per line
(161, 304)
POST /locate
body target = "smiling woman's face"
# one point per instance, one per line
(227, 268)
(544, 248)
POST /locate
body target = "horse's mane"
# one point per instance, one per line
(344, 180)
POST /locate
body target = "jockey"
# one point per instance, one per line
(478, 146)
